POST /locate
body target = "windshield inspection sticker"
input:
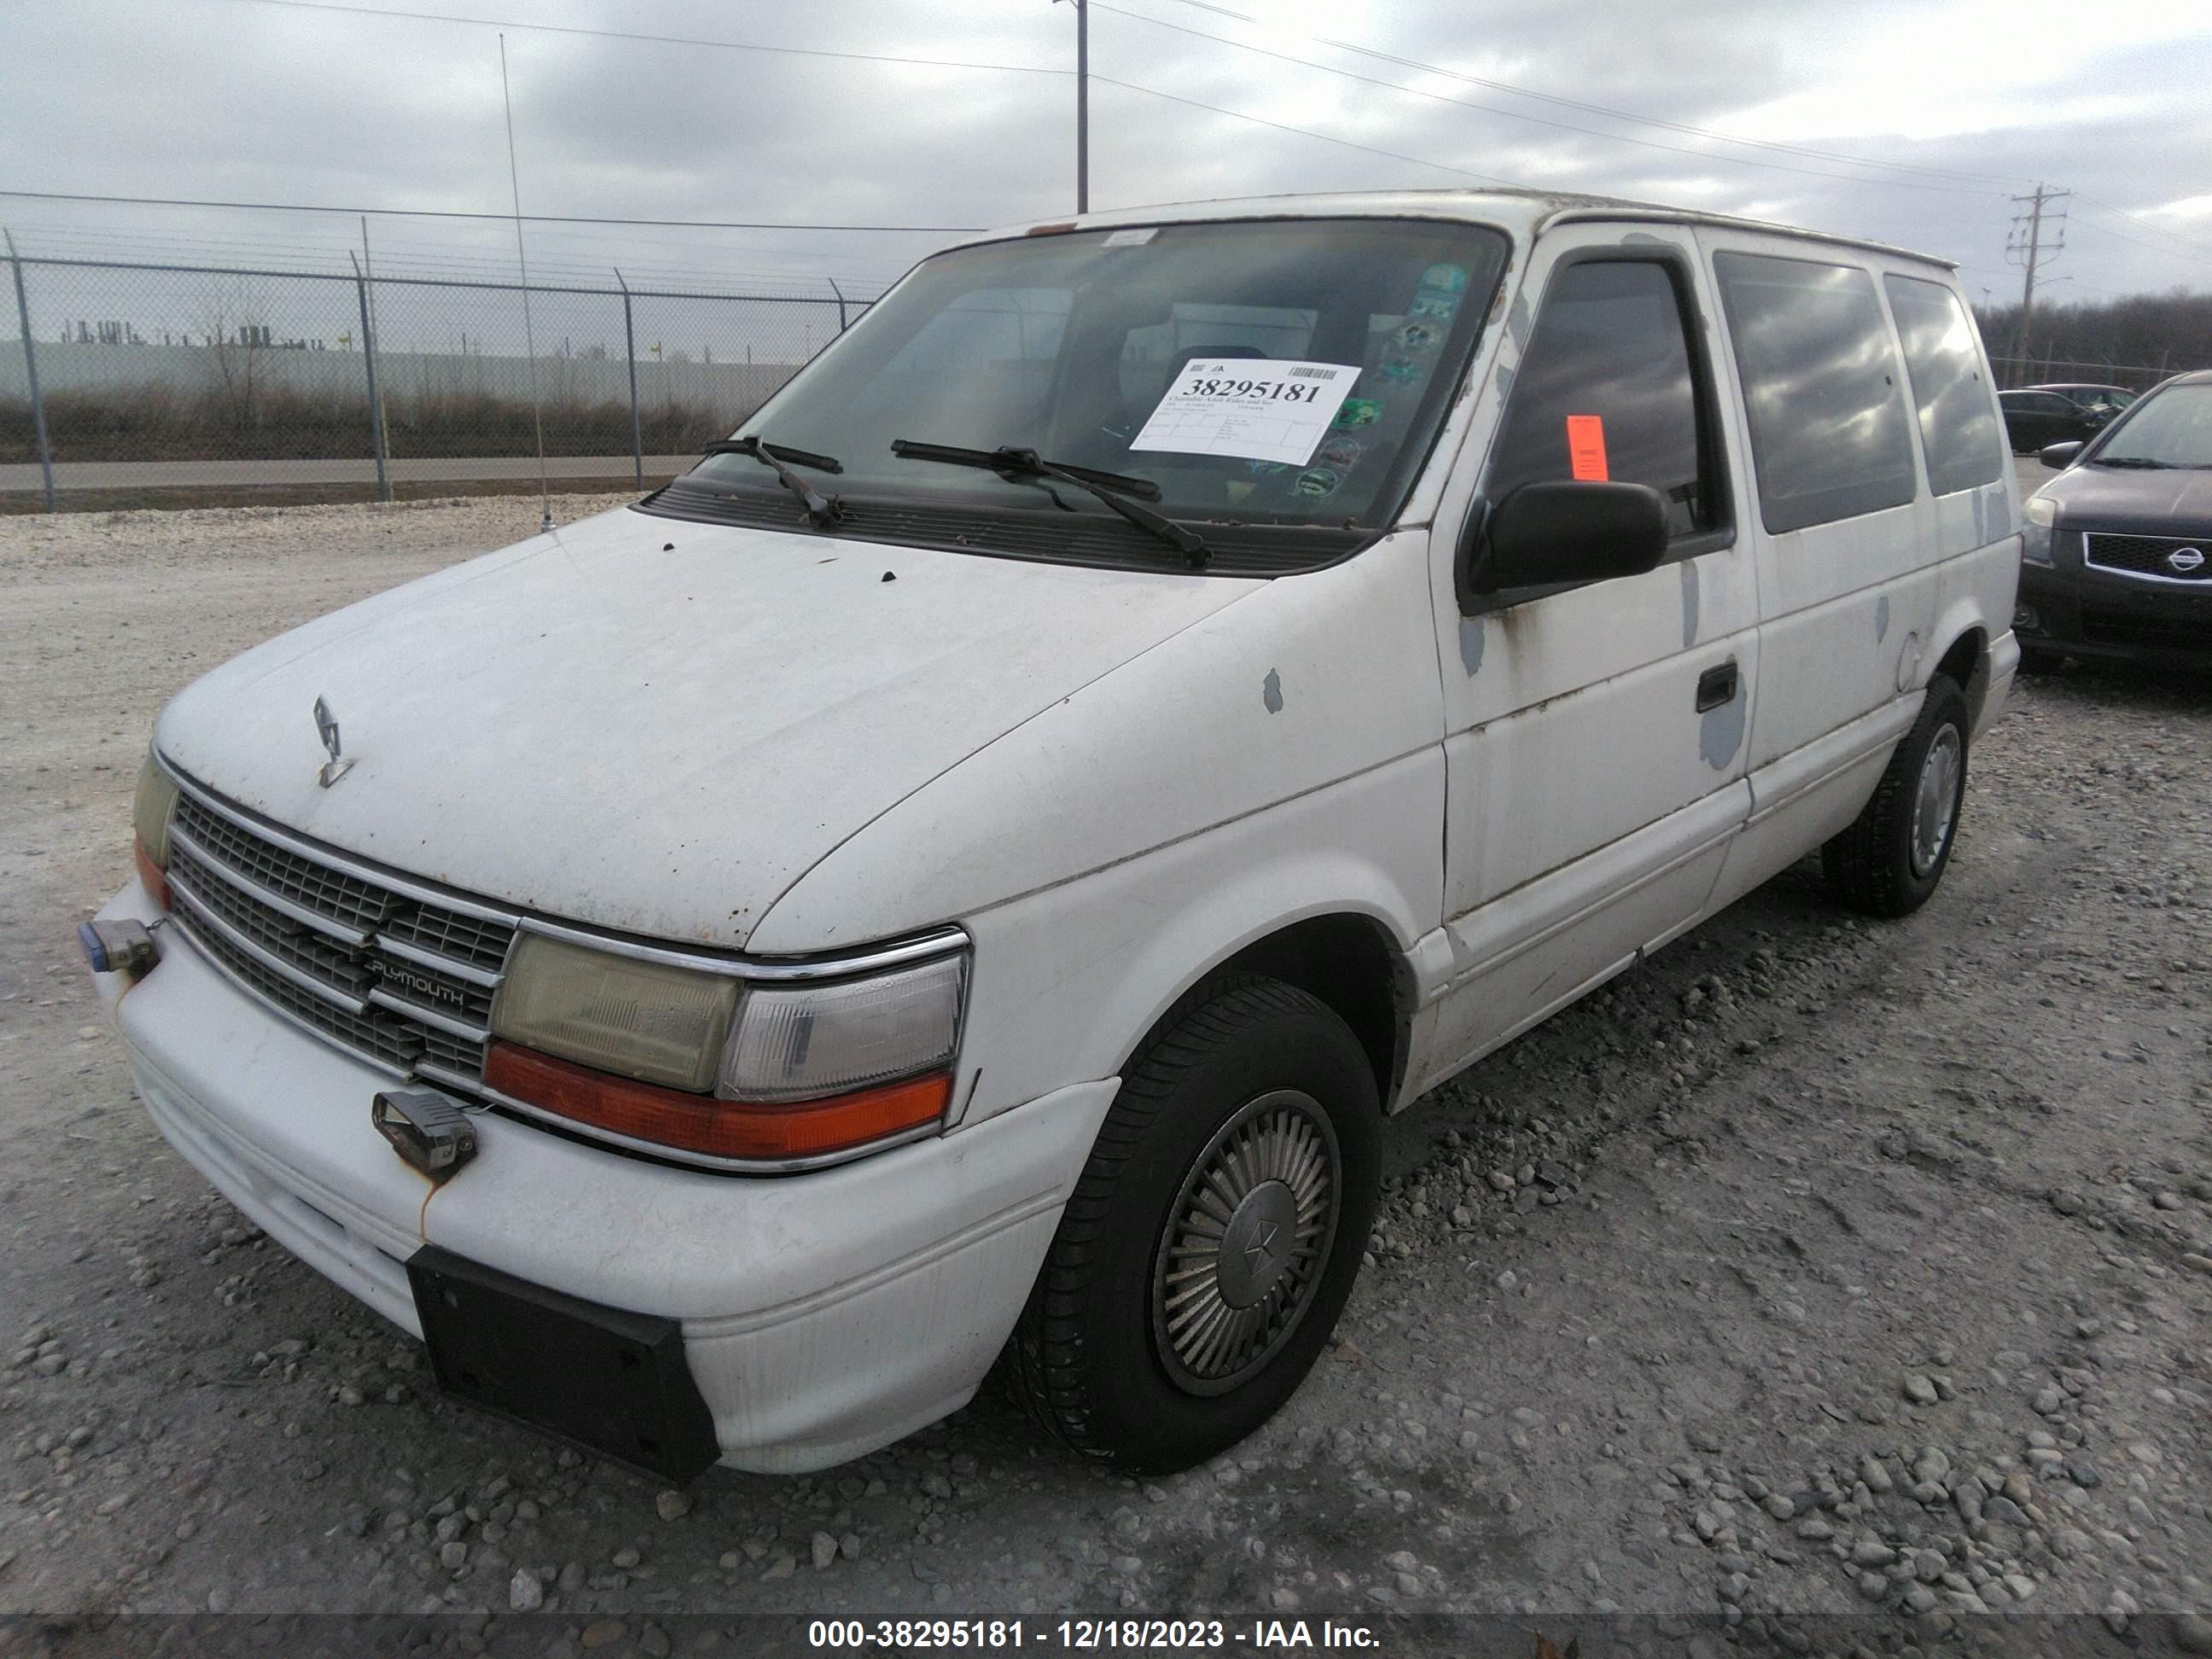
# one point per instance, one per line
(1254, 408)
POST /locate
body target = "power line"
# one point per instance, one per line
(449, 213)
(1303, 132)
(654, 40)
(2198, 250)
(1519, 115)
(1587, 108)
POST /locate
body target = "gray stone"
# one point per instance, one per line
(524, 1593)
(1919, 1390)
(825, 1551)
(672, 1505)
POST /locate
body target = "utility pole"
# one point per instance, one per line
(1082, 105)
(2032, 245)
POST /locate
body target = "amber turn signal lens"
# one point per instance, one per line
(157, 879)
(700, 1123)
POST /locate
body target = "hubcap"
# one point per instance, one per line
(1936, 802)
(1245, 1243)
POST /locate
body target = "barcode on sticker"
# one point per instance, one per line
(1305, 374)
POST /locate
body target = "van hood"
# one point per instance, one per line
(652, 726)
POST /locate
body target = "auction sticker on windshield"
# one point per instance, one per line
(1257, 409)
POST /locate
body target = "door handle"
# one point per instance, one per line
(1717, 686)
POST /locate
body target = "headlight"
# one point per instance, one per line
(2040, 513)
(150, 812)
(643, 1019)
(802, 1041)
(798, 1071)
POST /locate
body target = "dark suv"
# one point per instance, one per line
(2036, 415)
(2116, 560)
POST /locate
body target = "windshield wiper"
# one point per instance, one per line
(820, 510)
(1116, 490)
(2144, 461)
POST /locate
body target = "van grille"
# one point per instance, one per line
(405, 982)
(2148, 556)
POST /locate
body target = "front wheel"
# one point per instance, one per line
(1214, 1234)
(1889, 861)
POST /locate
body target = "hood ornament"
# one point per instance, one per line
(326, 728)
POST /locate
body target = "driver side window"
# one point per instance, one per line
(1606, 391)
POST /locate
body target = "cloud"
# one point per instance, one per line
(235, 100)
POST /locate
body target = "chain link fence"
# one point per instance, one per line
(2013, 373)
(115, 373)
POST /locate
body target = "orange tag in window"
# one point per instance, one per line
(1586, 448)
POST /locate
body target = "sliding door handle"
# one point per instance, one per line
(1717, 686)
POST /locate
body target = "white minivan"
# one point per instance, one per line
(963, 872)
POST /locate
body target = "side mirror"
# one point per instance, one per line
(2058, 457)
(1557, 534)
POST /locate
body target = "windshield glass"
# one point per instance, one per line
(1280, 372)
(2173, 428)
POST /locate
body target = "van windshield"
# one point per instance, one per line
(1280, 372)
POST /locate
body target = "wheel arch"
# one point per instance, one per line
(1966, 663)
(1348, 961)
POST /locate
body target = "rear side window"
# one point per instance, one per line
(1605, 391)
(1830, 433)
(1958, 428)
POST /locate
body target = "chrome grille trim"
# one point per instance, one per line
(446, 1022)
(205, 914)
(281, 917)
(212, 952)
(2131, 556)
(268, 895)
(344, 865)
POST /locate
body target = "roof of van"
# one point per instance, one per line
(1526, 212)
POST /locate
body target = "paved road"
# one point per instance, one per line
(154, 475)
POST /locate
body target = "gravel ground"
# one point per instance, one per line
(1819, 1271)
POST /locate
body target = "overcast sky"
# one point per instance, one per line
(1968, 103)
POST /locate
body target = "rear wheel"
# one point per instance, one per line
(1890, 860)
(1213, 1237)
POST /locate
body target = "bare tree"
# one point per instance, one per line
(238, 336)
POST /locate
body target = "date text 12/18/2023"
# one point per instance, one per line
(1088, 1635)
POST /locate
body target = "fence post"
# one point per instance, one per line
(31, 375)
(629, 355)
(368, 358)
(840, 293)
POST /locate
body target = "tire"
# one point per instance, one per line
(1101, 1358)
(2040, 659)
(1890, 860)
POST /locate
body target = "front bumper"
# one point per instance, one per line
(2079, 612)
(823, 1314)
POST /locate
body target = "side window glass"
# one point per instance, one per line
(1831, 436)
(1605, 391)
(1958, 430)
